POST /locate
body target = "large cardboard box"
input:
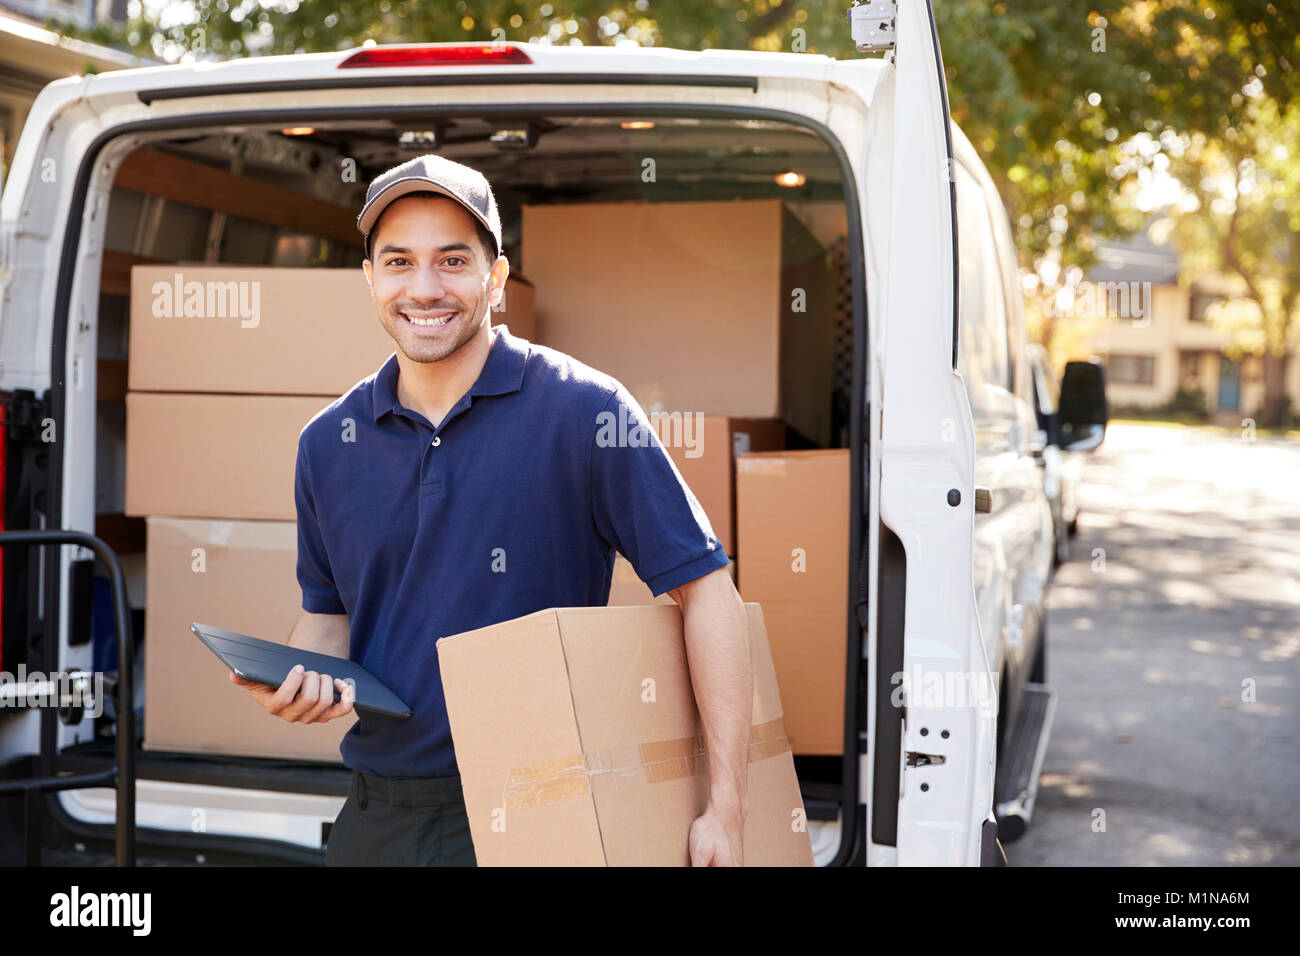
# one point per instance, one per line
(793, 524)
(264, 330)
(240, 575)
(214, 456)
(704, 449)
(694, 306)
(579, 742)
(627, 590)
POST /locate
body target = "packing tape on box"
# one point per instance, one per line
(654, 762)
(759, 464)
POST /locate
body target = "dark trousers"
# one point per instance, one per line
(406, 821)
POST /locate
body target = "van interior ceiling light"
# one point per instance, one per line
(523, 136)
(790, 178)
(298, 130)
(436, 54)
(421, 139)
(637, 124)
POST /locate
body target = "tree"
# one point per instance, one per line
(1241, 217)
(1224, 77)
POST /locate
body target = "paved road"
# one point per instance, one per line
(1182, 594)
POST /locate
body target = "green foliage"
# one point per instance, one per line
(1224, 76)
(1188, 403)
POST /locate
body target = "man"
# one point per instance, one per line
(466, 483)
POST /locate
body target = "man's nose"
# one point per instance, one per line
(426, 284)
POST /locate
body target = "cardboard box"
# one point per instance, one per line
(240, 575)
(793, 524)
(564, 762)
(518, 308)
(264, 330)
(691, 305)
(214, 456)
(628, 590)
(704, 449)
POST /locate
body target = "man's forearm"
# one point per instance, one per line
(322, 633)
(717, 650)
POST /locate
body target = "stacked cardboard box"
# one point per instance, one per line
(227, 364)
(578, 750)
(704, 449)
(718, 307)
(793, 527)
(266, 331)
(240, 575)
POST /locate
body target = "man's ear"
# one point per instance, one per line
(497, 277)
(365, 267)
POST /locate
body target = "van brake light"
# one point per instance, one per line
(450, 54)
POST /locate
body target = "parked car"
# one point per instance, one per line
(950, 532)
(1062, 467)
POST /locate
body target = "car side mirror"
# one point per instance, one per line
(1083, 413)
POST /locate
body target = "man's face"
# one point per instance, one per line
(428, 275)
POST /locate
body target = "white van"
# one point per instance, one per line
(950, 535)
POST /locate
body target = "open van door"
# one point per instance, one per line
(933, 696)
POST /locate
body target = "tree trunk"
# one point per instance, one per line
(1275, 409)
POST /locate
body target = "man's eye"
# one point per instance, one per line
(397, 260)
(454, 259)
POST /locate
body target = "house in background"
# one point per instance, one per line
(32, 56)
(1173, 346)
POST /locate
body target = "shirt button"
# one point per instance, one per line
(437, 440)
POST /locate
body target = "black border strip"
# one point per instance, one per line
(345, 81)
(850, 816)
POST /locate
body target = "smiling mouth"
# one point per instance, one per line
(435, 321)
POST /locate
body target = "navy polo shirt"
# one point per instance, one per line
(514, 503)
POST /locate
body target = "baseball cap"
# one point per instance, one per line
(437, 174)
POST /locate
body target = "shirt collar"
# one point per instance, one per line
(502, 373)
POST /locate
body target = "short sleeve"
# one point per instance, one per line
(319, 595)
(641, 505)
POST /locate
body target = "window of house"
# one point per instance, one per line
(1131, 369)
(1200, 303)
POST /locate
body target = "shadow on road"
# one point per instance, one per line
(1174, 644)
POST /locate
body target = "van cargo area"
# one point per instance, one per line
(701, 261)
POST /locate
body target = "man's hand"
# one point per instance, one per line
(717, 839)
(302, 698)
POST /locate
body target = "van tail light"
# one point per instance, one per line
(445, 54)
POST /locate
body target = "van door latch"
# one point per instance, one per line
(871, 23)
(915, 759)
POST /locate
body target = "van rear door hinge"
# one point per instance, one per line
(871, 23)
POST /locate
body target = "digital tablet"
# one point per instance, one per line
(265, 662)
